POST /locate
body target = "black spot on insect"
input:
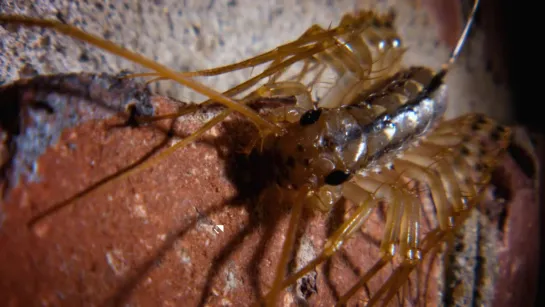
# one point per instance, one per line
(310, 117)
(481, 119)
(475, 126)
(300, 148)
(464, 151)
(306, 162)
(496, 134)
(337, 177)
(290, 162)
(480, 167)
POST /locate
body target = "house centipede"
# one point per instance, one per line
(378, 123)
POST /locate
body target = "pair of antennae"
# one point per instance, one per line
(463, 38)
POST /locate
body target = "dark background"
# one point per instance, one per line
(521, 30)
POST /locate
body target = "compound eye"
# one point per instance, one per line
(337, 177)
(310, 117)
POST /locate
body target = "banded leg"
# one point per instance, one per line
(422, 174)
(410, 248)
(402, 221)
(400, 235)
(438, 162)
(441, 167)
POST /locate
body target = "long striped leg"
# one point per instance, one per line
(400, 235)
(407, 205)
(450, 163)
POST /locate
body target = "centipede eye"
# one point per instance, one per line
(310, 117)
(337, 177)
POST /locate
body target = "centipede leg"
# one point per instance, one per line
(460, 213)
(286, 249)
(421, 164)
(432, 180)
(313, 37)
(409, 231)
(402, 224)
(365, 206)
(162, 70)
(286, 89)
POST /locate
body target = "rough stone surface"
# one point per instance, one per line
(194, 34)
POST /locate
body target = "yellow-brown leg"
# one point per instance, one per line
(423, 163)
(329, 51)
(162, 70)
(413, 170)
(313, 37)
(435, 237)
(334, 243)
(286, 249)
(283, 114)
(411, 260)
(400, 236)
(398, 222)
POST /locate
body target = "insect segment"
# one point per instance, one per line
(373, 130)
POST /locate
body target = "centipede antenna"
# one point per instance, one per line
(463, 37)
